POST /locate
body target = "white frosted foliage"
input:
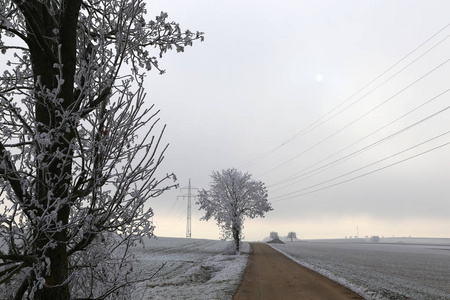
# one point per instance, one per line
(80, 144)
(232, 197)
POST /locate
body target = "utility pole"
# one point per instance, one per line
(188, 223)
(189, 196)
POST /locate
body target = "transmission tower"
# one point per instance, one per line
(189, 196)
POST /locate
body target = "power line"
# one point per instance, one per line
(308, 128)
(359, 169)
(356, 120)
(174, 213)
(173, 225)
(335, 162)
(371, 91)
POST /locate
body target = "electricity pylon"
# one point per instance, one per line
(189, 196)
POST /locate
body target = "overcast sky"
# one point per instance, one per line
(316, 99)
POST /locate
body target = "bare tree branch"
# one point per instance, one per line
(80, 145)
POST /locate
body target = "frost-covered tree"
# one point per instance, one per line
(74, 175)
(292, 235)
(274, 235)
(232, 197)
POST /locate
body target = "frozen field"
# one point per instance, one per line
(191, 269)
(379, 271)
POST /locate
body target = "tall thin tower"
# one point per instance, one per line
(188, 223)
(189, 196)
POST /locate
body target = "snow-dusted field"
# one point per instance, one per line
(379, 271)
(193, 269)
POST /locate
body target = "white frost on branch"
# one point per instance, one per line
(79, 145)
(232, 197)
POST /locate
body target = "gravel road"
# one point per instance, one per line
(271, 275)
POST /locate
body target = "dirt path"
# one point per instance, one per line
(272, 276)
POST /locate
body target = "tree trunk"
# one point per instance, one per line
(47, 48)
(52, 180)
(236, 236)
(54, 288)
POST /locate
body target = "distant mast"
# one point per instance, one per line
(188, 224)
(189, 196)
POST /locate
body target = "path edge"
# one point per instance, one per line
(361, 291)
